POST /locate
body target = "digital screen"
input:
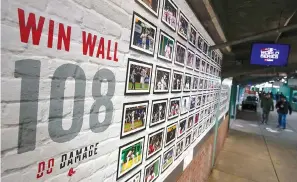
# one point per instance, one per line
(270, 54)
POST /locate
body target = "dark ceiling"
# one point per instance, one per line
(243, 18)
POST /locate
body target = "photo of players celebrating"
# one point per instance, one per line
(155, 143)
(138, 78)
(130, 156)
(170, 133)
(183, 26)
(143, 35)
(162, 79)
(174, 108)
(197, 62)
(167, 158)
(187, 83)
(188, 140)
(195, 84)
(152, 170)
(158, 114)
(180, 54)
(169, 16)
(190, 59)
(190, 122)
(177, 79)
(181, 127)
(166, 46)
(179, 148)
(192, 102)
(193, 35)
(151, 5)
(134, 117)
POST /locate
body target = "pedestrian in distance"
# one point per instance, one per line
(267, 106)
(283, 108)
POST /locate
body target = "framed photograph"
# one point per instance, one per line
(166, 46)
(183, 26)
(152, 170)
(198, 103)
(190, 122)
(188, 140)
(193, 102)
(177, 79)
(143, 35)
(185, 105)
(134, 117)
(174, 107)
(162, 80)
(168, 158)
(193, 35)
(201, 81)
(200, 130)
(170, 134)
(200, 43)
(203, 100)
(205, 84)
(190, 59)
(196, 120)
(197, 62)
(187, 82)
(195, 134)
(212, 55)
(130, 156)
(152, 6)
(180, 54)
(205, 47)
(169, 16)
(135, 178)
(181, 127)
(203, 67)
(179, 148)
(158, 112)
(139, 76)
(195, 84)
(207, 68)
(154, 143)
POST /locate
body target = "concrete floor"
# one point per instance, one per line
(258, 153)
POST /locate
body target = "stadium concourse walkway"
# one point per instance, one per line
(258, 153)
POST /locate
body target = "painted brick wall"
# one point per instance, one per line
(110, 19)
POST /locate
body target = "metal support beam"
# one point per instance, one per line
(255, 37)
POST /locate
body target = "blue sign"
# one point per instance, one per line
(270, 54)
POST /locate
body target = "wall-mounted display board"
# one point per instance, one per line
(113, 92)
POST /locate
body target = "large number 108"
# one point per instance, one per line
(29, 72)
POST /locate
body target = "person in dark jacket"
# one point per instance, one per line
(283, 108)
(267, 106)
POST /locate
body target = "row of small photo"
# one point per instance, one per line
(139, 77)
(170, 49)
(184, 28)
(176, 137)
(135, 114)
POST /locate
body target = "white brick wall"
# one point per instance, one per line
(108, 18)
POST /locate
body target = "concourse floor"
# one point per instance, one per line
(258, 153)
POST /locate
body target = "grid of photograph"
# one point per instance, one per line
(185, 67)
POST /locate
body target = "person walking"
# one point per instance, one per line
(267, 106)
(283, 108)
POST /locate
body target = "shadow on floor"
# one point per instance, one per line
(258, 153)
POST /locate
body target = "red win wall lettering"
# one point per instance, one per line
(30, 27)
(89, 43)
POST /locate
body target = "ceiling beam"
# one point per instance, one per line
(255, 37)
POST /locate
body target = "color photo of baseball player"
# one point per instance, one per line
(169, 16)
(174, 108)
(162, 80)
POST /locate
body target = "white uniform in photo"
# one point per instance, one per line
(167, 51)
(132, 122)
